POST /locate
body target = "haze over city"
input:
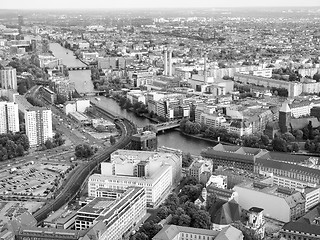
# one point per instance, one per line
(99, 4)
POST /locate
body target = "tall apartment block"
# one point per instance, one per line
(9, 117)
(38, 125)
(8, 78)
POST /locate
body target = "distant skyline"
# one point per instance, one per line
(108, 4)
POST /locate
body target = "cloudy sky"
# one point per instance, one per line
(54, 4)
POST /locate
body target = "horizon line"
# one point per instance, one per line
(157, 8)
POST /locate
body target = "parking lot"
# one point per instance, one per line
(30, 179)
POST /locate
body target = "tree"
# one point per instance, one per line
(295, 147)
(310, 129)
(19, 150)
(316, 77)
(298, 134)
(83, 151)
(192, 191)
(201, 220)
(112, 140)
(61, 99)
(48, 144)
(279, 144)
(288, 137)
(140, 236)
(186, 159)
(150, 229)
(265, 139)
(22, 89)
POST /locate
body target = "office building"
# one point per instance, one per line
(153, 171)
(145, 141)
(38, 125)
(8, 78)
(9, 117)
(118, 215)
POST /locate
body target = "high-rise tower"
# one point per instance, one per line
(170, 63)
(165, 63)
(38, 125)
(8, 78)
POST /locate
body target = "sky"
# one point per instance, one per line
(111, 4)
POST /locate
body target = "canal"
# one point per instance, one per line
(83, 83)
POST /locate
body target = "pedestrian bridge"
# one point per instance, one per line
(166, 126)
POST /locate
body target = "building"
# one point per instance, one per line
(145, 141)
(266, 196)
(284, 117)
(218, 181)
(38, 125)
(48, 95)
(198, 168)
(294, 88)
(61, 219)
(119, 215)
(9, 117)
(8, 78)
(173, 232)
(103, 125)
(80, 118)
(256, 221)
(157, 185)
(300, 230)
(225, 195)
(233, 156)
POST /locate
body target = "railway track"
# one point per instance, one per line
(75, 182)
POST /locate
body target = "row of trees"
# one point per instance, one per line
(281, 142)
(13, 145)
(189, 127)
(137, 107)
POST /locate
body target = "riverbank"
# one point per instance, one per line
(203, 139)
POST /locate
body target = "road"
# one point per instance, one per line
(75, 182)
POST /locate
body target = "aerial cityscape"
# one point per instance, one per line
(172, 120)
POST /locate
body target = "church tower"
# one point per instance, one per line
(284, 117)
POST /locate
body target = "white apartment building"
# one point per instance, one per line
(157, 185)
(38, 125)
(9, 117)
(8, 78)
(119, 215)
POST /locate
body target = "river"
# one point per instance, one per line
(81, 78)
(171, 138)
(83, 83)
